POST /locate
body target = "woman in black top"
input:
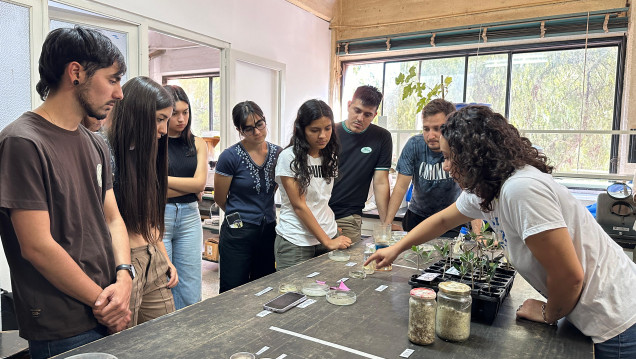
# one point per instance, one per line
(187, 174)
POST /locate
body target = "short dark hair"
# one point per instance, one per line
(88, 47)
(243, 110)
(369, 95)
(437, 106)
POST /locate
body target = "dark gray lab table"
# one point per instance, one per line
(375, 326)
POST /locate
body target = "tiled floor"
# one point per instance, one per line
(210, 285)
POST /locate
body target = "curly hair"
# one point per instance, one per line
(309, 112)
(485, 150)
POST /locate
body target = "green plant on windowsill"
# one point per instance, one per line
(424, 93)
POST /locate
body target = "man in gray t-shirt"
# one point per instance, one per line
(421, 162)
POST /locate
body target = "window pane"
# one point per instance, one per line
(358, 75)
(454, 67)
(15, 62)
(216, 97)
(547, 89)
(486, 83)
(198, 91)
(577, 153)
(401, 114)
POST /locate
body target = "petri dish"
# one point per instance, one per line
(93, 356)
(314, 289)
(339, 256)
(341, 297)
(288, 287)
(243, 355)
(358, 273)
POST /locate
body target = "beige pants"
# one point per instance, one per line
(351, 226)
(149, 298)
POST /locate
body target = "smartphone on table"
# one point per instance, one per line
(284, 302)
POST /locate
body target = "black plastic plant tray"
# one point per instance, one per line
(486, 302)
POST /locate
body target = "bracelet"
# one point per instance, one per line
(543, 314)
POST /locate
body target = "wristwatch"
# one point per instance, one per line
(128, 267)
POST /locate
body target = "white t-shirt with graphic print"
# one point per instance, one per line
(317, 198)
(531, 202)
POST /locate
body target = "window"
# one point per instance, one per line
(205, 98)
(561, 96)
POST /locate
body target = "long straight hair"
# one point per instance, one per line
(141, 159)
(309, 112)
(186, 135)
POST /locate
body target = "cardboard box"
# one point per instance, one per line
(211, 249)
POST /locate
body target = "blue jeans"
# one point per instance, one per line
(183, 238)
(40, 349)
(622, 346)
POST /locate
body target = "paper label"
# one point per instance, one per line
(312, 274)
(381, 288)
(428, 276)
(407, 353)
(263, 350)
(306, 303)
(263, 291)
(351, 264)
(452, 271)
(343, 279)
(263, 313)
(282, 356)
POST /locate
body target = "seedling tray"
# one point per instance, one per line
(486, 302)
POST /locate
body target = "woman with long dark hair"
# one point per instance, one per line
(550, 238)
(244, 188)
(187, 174)
(305, 173)
(140, 181)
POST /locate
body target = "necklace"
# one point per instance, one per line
(50, 117)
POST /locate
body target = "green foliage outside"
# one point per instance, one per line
(198, 92)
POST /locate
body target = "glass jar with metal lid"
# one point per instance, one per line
(422, 316)
(452, 321)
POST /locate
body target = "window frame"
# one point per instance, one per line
(619, 41)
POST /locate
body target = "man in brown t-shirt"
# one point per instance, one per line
(60, 226)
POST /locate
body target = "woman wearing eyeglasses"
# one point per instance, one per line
(244, 188)
(187, 174)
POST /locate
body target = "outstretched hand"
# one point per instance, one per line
(383, 257)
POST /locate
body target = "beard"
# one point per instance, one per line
(82, 98)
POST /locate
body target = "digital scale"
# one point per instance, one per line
(615, 214)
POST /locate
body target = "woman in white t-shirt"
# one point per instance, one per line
(551, 239)
(305, 172)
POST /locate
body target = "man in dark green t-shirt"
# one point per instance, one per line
(365, 155)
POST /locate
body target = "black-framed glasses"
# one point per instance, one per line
(259, 125)
(621, 192)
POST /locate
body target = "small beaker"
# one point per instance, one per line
(381, 237)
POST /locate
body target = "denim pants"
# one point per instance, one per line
(183, 238)
(622, 346)
(40, 349)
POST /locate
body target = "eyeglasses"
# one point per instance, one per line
(259, 125)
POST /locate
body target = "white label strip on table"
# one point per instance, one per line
(282, 356)
(263, 291)
(401, 266)
(351, 264)
(452, 271)
(306, 303)
(263, 313)
(381, 288)
(312, 274)
(324, 342)
(263, 350)
(407, 353)
(342, 280)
